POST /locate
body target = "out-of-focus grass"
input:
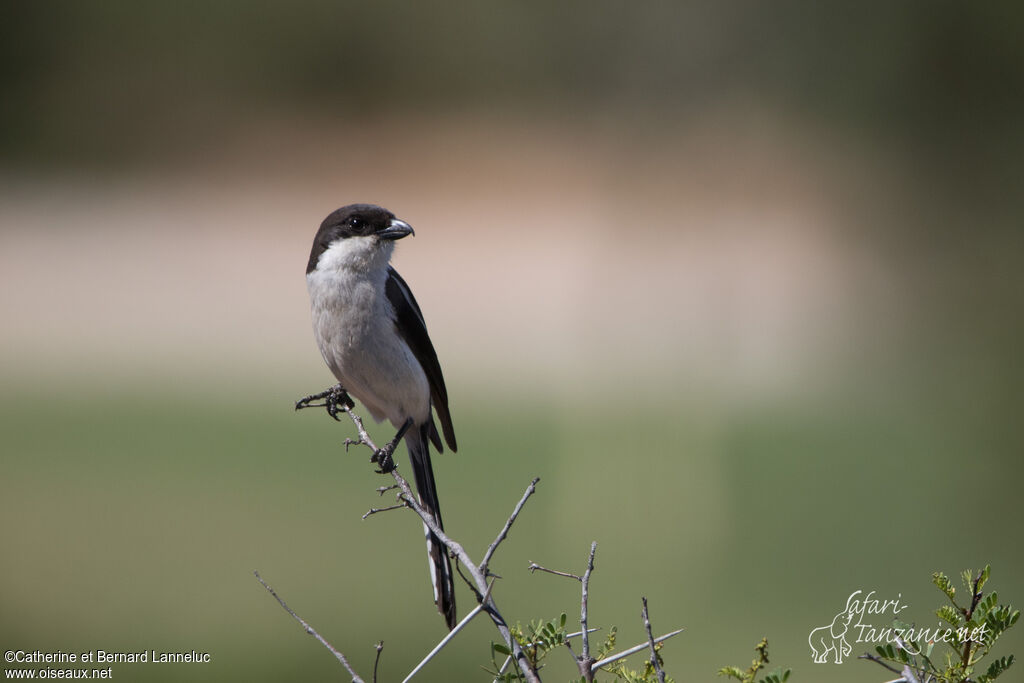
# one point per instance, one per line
(135, 522)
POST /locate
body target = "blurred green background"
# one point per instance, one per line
(740, 282)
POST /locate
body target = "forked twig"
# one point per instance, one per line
(534, 567)
(508, 525)
(478, 576)
(373, 511)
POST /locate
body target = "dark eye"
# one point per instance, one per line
(355, 222)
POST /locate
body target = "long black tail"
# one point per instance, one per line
(440, 566)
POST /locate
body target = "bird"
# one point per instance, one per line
(373, 337)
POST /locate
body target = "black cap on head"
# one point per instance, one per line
(355, 220)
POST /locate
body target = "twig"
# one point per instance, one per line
(508, 525)
(650, 641)
(380, 648)
(373, 511)
(633, 650)
(451, 634)
(586, 661)
(965, 659)
(534, 567)
(479, 579)
(568, 636)
(309, 629)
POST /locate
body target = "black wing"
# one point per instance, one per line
(411, 326)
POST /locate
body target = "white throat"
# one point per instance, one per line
(356, 254)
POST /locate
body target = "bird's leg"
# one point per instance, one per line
(383, 455)
(335, 400)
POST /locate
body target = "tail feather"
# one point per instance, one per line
(441, 575)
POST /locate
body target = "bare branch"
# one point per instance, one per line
(309, 629)
(586, 661)
(508, 525)
(577, 634)
(632, 651)
(364, 438)
(487, 603)
(650, 641)
(380, 648)
(373, 511)
(534, 567)
(483, 598)
(479, 579)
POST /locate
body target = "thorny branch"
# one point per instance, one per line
(633, 650)
(477, 580)
(586, 664)
(586, 661)
(373, 511)
(478, 572)
(650, 641)
(534, 567)
(508, 525)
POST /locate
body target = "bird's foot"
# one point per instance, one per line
(382, 456)
(335, 400)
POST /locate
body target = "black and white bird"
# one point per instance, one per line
(372, 335)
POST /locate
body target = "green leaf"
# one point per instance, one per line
(943, 583)
(984, 576)
(732, 672)
(949, 615)
(986, 605)
(997, 667)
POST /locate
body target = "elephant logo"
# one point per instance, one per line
(832, 638)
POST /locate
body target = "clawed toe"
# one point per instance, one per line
(335, 400)
(383, 458)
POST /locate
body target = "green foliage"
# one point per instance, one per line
(541, 638)
(760, 661)
(953, 654)
(619, 669)
(537, 641)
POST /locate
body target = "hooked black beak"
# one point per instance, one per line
(395, 230)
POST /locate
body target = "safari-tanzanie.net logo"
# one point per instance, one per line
(868, 620)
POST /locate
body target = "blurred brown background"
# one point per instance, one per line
(741, 283)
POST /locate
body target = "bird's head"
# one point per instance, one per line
(357, 234)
